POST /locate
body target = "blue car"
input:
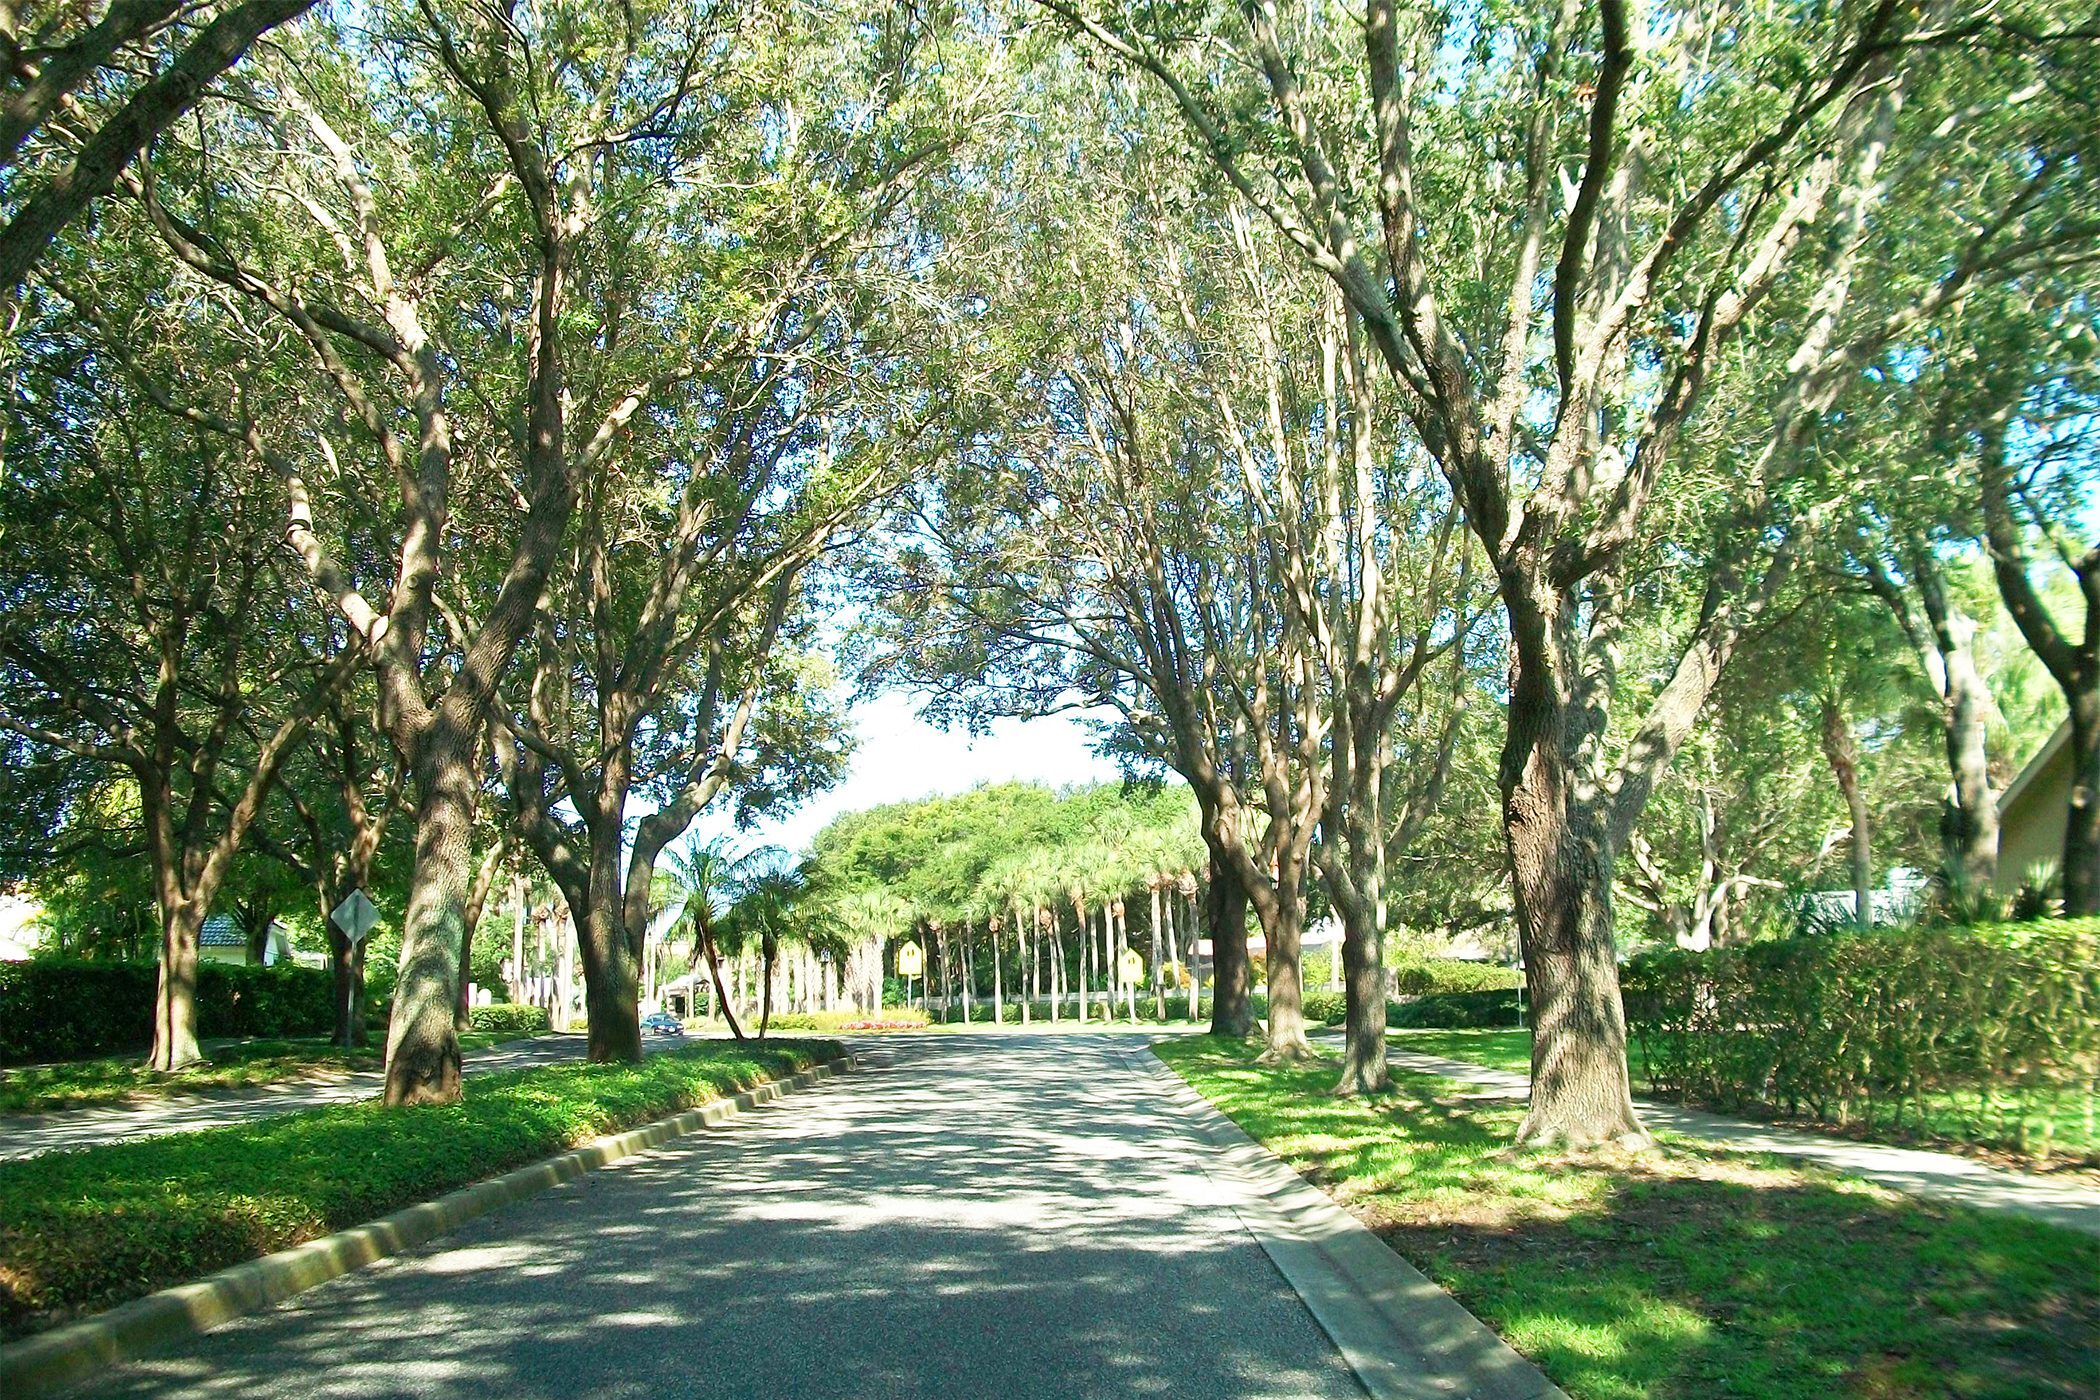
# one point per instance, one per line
(661, 1023)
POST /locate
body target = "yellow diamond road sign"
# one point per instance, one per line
(911, 960)
(1132, 966)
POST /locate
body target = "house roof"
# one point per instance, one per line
(222, 931)
(2036, 766)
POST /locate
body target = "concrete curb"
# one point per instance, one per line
(1405, 1338)
(51, 1361)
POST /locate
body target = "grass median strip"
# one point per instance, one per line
(1949, 1120)
(239, 1064)
(82, 1231)
(1683, 1274)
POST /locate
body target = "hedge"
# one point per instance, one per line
(1422, 977)
(1994, 1024)
(57, 1009)
(509, 1018)
(1445, 992)
(86, 1230)
(1455, 1011)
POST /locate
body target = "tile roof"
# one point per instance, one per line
(221, 931)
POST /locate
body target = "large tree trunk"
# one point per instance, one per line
(175, 999)
(342, 976)
(2082, 826)
(1226, 910)
(611, 984)
(611, 957)
(1844, 764)
(1969, 819)
(1580, 1094)
(1364, 1067)
(256, 917)
(1283, 928)
(422, 1050)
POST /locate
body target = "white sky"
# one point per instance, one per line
(901, 757)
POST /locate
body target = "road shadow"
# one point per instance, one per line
(992, 1216)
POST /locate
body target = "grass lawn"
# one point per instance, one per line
(1949, 1120)
(1688, 1273)
(1497, 1049)
(233, 1064)
(82, 1231)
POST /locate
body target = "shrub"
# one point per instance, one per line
(262, 1001)
(88, 1229)
(52, 1009)
(1432, 992)
(1326, 1008)
(1422, 977)
(1881, 1027)
(509, 1018)
(1455, 1010)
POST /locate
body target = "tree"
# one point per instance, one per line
(70, 120)
(1551, 354)
(1916, 585)
(139, 558)
(777, 399)
(2024, 490)
(772, 905)
(332, 811)
(704, 880)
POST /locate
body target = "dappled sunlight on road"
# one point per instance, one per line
(968, 1215)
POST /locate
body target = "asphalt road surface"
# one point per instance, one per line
(1009, 1216)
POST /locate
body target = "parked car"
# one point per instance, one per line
(661, 1023)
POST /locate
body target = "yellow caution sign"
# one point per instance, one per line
(911, 960)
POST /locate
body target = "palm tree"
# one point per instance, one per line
(770, 900)
(707, 879)
(864, 919)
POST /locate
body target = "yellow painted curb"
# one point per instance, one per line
(51, 1361)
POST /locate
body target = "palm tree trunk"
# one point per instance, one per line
(1188, 921)
(714, 967)
(1086, 960)
(1159, 984)
(1056, 953)
(766, 958)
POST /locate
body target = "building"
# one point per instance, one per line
(2034, 811)
(223, 941)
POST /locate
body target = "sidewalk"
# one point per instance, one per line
(28, 1134)
(1939, 1175)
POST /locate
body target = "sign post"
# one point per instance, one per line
(1130, 969)
(911, 961)
(356, 917)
